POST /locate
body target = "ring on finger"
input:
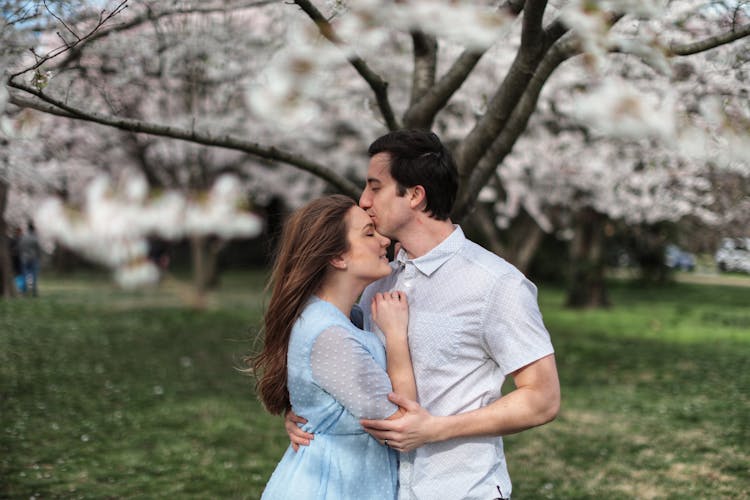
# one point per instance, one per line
(385, 442)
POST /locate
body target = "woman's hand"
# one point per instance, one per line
(390, 311)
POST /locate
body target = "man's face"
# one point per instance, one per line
(388, 211)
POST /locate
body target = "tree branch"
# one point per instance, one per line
(485, 219)
(21, 14)
(59, 20)
(554, 31)
(422, 113)
(503, 144)
(425, 64)
(55, 107)
(506, 97)
(376, 83)
(150, 16)
(103, 19)
(518, 120)
(514, 6)
(532, 22)
(688, 49)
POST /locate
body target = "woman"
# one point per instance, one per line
(317, 362)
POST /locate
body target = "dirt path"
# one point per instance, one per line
(713, 279)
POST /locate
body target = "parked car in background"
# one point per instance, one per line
(677, 258)
(734, 255)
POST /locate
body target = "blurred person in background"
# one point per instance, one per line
(30, 252)
(15, 258)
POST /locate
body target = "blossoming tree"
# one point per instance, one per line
(115, 220)
(554, 109)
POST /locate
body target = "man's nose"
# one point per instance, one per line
(364, 200)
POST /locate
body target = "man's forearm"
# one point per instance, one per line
(514, 412)
(536, 401)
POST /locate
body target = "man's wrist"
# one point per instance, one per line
(441, 429)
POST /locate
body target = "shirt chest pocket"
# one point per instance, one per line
(434, 338)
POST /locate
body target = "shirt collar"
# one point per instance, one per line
(432, 260)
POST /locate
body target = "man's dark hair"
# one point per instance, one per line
(418, 158)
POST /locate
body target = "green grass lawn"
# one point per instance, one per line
(108, 394)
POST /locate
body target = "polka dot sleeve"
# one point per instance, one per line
(346, 370)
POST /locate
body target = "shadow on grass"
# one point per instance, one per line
(99, 400)
(656, 398)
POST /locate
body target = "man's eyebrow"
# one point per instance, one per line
(373, 180)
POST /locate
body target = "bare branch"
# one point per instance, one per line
(376, 83)
(688, 49)
(103, 19)
(150, 16)
(21, 14)
(55, 107)
(59, 20)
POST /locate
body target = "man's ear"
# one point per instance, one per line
(339, 263)
(417, 196)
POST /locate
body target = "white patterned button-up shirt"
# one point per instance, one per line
(473, 319)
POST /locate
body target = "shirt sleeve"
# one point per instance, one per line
(343, 367)
(514, 332)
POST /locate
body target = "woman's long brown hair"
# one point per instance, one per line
(313, 235)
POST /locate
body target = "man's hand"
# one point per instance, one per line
(411, 430)
(297, 436)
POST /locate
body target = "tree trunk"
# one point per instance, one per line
(648, 244)
(485, 223)
(7, 287)
(525, 237)
(198, 256)
(204, 254)
(586, 286)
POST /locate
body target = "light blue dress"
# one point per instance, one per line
(336, 375)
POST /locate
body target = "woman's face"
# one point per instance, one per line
(366, 257)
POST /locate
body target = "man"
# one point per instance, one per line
(473, 320)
